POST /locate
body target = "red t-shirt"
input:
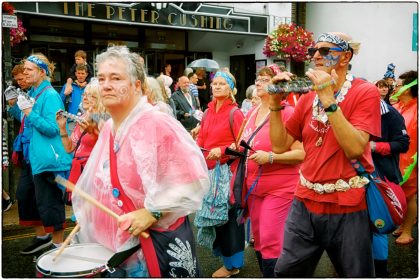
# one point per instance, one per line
(328, 163)
(276, 179)
(215, 129)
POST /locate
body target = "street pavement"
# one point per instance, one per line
(403, 260)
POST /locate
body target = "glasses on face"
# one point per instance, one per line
(263, 80)
(324, 51)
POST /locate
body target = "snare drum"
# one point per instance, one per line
(78, 260)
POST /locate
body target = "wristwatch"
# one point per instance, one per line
(333, 107)
(156, 215)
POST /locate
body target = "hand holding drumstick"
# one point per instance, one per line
(124, 222)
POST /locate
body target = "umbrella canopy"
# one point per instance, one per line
(209, 64)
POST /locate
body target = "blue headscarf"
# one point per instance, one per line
(41, 64)
(225, 76)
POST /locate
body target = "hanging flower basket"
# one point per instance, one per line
(289, 41)
(17, 35)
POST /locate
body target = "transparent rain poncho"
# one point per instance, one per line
(160, 167)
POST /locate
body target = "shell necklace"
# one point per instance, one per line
(318, 112)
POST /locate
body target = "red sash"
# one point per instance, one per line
(128, 206)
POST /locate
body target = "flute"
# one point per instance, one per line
(97, 117)
(11, 92)
(24, 94)
(70, 116)
(296, 84)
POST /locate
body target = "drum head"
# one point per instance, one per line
(76, 260)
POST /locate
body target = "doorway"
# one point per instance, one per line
(242, 68)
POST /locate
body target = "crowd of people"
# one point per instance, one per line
(153, 150)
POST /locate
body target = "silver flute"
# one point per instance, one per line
(296, 84)
(70, 116)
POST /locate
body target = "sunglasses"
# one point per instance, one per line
(324, 51)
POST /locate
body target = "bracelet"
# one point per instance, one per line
(276, 109)
(324, 85)
(64, 135)
(270, 157)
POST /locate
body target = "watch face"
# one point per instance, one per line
(332, 108)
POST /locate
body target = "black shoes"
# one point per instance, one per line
(37, 245)
(7, 203)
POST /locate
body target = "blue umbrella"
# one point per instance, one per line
(209, 64)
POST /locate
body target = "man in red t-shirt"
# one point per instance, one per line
(334, 122)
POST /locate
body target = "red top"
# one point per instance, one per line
(87, 143)
(328, 163)
(276, 179)
(215, 129)
(410, 115)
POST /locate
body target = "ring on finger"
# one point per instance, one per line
(130, 230)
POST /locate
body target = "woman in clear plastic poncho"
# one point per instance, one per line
(159, 166)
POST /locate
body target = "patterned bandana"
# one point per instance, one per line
(41, 64)
(334, 39)
(390, 71)
(226, 77)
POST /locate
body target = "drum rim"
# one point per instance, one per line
(71, 274)
(87, 272)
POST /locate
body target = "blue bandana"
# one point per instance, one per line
(41, 64)
(226, 77)
(334, 39)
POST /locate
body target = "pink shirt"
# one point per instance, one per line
(86, 144)
(276, 179)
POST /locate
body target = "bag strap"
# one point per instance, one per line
(79, 141)
(120, 257)
(232, 111)
(128, 206)
(360, 170)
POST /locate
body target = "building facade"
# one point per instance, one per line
(175, 33)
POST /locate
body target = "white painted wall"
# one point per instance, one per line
(384, 30)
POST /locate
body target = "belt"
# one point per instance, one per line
(339, 186)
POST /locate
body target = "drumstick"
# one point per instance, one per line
(124, 225)
(241, 130)
(66, 242)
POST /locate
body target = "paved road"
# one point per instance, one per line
(403, 261)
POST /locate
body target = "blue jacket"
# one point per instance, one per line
(393, 132)
(46, 151)
(74, 98)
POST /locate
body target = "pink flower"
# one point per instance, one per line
(288, 40)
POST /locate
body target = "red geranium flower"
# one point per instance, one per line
(289, 41)
(17, 35)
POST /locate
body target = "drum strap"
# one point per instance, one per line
(128, 206)
(120, 257)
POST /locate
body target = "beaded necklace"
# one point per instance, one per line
(318, 112)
